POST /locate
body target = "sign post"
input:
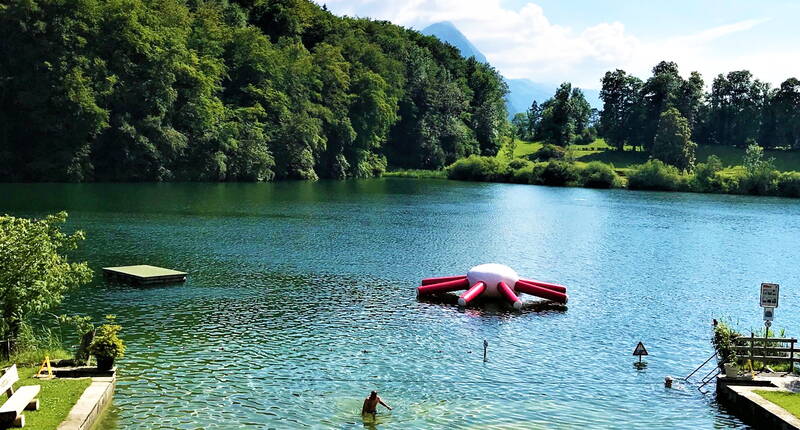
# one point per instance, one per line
(769, 301)
(770, 294)
(639, 351)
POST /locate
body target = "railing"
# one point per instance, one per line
(767, 349)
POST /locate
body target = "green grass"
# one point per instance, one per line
(524, 148)
(730, 156)
(416, 173)
(786, 400)
(56, 398)
(34, 357)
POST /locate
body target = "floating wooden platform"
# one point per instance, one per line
(144, 274)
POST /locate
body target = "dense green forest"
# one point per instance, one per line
(668, 116)
(154, 90)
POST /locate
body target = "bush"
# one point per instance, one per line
(519, 163)
(599, 175)
(724, 342)
(587, 136)
(557, 173)
(106, 342)
(706, 178)
(761, 178)
(548, 152)
(654, 175)
(477, 168)
(789, 184)
(522, 175)
(762, 182)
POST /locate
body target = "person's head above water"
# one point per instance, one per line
(373, 394)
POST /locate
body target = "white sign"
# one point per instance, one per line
(769, 314)
(769, 295)
(640, 350)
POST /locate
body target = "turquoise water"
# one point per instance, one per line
(301, 300)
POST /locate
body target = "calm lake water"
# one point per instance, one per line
(301, 300)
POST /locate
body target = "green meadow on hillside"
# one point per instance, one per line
(730, 156)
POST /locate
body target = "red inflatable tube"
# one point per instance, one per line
(549, 286)
(443, 287)
(506, 291)
(541, 292)
(429, 281)
(470, 294)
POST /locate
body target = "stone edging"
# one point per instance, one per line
(761, 409)
(91, 404)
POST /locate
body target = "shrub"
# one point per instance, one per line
(477, 168)
(106, 342)
(654, 175)
(557, 173)
(519, 163)
(548, 152)
(724, 342)
(587, 136)
(599, 175)
(522, 175)
(789, 184)
(706, 178)
(761, 175)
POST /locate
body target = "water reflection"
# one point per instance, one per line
(300, 300)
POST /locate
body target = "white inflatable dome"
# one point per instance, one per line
(491, 274)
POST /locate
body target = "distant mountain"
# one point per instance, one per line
(522, 92)
(447, 32)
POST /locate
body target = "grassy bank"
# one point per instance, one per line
(56, 398)
(788, 401)
(417, 173)
(709, 177)
(600, 151)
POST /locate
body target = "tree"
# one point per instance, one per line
(672, 143)
(689, 100)
(780, 124)
(621, 116)
(736, 108)
(252, 90)
(487, 105)
(34, 270)
(564, 116)
(659, 93)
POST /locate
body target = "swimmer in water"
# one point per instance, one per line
(371, 404)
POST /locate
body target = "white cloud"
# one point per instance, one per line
(525, 44)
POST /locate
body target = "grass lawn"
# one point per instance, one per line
(786, 400)
(56, 398)
(730, 156)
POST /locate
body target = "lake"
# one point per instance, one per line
(301, 299)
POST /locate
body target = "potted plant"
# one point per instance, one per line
(725, 343)
(106, 345)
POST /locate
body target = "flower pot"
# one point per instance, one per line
(105, 363)
(731, 370)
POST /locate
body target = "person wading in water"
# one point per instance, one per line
(371, 404)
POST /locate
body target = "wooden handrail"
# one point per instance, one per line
(761, 348)
(768, 339)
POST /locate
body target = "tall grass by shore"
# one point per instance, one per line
(708, 177)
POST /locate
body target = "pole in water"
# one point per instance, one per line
(485, 346)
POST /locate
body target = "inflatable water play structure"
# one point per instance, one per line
(493, 280)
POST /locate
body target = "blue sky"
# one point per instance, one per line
(552, 41)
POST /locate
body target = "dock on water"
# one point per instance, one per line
(144, 274)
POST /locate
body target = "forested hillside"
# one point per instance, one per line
(156, 90)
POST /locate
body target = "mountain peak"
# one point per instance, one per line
(522, 92)
(447, 32)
